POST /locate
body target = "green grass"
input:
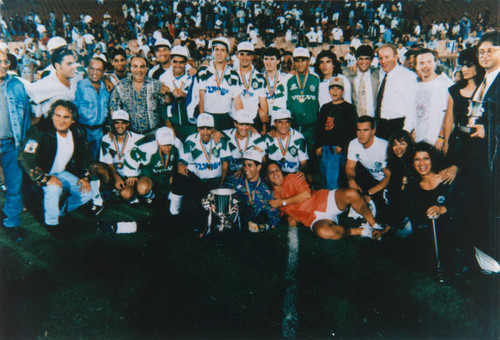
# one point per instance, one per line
(163, 282)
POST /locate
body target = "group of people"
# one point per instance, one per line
(390, 145)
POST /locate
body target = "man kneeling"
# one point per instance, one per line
(318, 209)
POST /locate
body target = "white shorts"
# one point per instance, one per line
(332, 210)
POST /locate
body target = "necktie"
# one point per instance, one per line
(380, 97)
(362, 97)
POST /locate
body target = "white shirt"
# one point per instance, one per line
(109, 154)
(250, 97)
(370, 103)
(280, 95)
(238, 147)
(65, 148)
(372, 158)
(431, 101)
(337, 33)
(399, 96)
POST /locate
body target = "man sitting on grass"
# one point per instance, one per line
(319, 209)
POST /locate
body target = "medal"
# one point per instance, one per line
(247, 95)
(208, 155)
(165, 163)
(271, 101)
(119, 152)
(268, 84)
(250, 193)
(283, 160)
(247, 86)
(284, 150)
(218, 80)
(242, 151)
(302, 86)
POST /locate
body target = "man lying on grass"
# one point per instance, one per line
(318, 209)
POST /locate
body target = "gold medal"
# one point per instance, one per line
(247, 95)
(271, 102)
(209, 166)
(302, 99)
(217, 92)
(119, 165)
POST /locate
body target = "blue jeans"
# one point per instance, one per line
(52, 195)
(94, 141)
(13, 177)
(330, 166)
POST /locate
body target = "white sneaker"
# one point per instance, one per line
(367, 230)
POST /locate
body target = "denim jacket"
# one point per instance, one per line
(92, 106)
(19, 109)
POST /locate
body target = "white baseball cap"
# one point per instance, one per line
(301, 52)
(221, 41)
(253, 155)
(205, 120)
(243, 116)
(246, 46)
(281, 114)
(56, 42)
(120, 115)
(162, 42)
(180, 51)
(165, 136)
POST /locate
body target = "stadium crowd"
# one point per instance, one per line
(387, 134)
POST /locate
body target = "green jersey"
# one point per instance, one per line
(303, 98)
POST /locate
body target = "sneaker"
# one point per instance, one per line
(367, 230)
(149, 200)
(134, 201)
(96, 209)
(257, 228)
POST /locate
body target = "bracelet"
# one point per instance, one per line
(441, 137)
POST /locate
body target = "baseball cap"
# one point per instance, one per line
(282, 114)
(120, 115)
(244, 117)
(221, 41)
(245, 46)
(253, 155)
(301, 52)
(336, 81)
(205, 120)
(180, 51)
(165, 136)
(162, 42)
(56, 42)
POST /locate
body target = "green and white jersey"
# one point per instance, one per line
(251, 90)
(177, 112)
(153, 163)
(303, 100)
(289, 152)
(238, 147)
(110, 155)
(205, 159)
(218, 97)
(276, 91)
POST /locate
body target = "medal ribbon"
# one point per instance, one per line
(271, 93)
(119, 152)
(246, 143)
(208, 157)
(285, 149)
(218, 80)
(247, 87)
(303, 85)
(165, 163)
(251, 194)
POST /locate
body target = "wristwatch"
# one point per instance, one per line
(283, 203)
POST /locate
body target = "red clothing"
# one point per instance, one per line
(303, 212)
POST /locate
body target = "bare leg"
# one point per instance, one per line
(329, 230)
(350, 197)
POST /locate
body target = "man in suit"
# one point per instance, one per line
(364, 82)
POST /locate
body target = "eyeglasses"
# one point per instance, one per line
(489, 51)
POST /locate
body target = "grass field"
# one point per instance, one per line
(163, 282)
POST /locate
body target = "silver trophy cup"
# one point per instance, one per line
(224, 207)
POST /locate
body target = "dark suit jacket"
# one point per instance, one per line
(375, 85)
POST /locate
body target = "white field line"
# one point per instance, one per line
(290, 318)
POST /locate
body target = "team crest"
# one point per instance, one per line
(216, 152)
(255, 85)
(312, 88)
(293, 151)
(357, 155)
(378, 165)
(441, 199)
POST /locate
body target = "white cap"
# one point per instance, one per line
(165, 136)
(56, 42)
(205, 120)
(3, 46)
(180, 51)
(100, 56)
(243, 116)
(162, 42)
(120, 115)
(281, 114)
(301, 52)
(253, 155)
(221, 41)
(245, 46)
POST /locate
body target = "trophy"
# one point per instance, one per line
(223, 209)
(476, 111)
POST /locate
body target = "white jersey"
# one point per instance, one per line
(373, 158)
(431, 101)
(205, 160)
(289, 152)
(110, 155)
(252, 88)
(183, 83)
(238, 147)
(276, 91)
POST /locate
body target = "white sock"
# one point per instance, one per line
(175, 203)
(96, 194)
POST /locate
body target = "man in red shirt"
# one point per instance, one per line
(318, 209)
